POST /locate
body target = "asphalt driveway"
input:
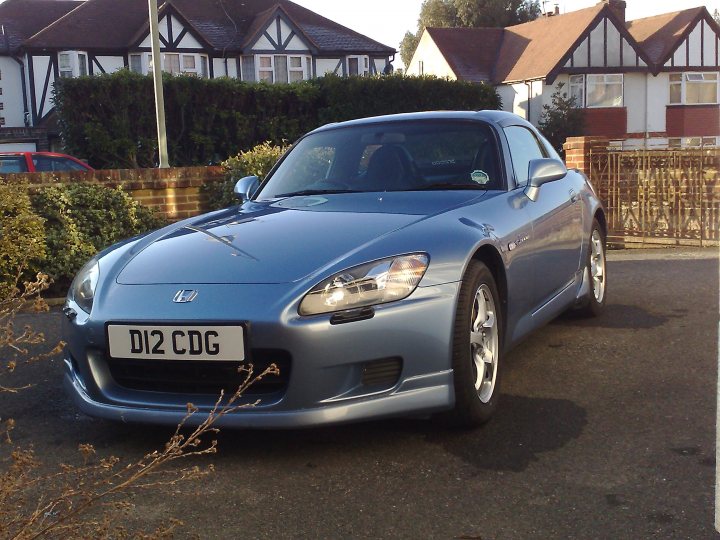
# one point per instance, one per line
(606, 429)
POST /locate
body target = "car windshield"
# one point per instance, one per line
(397, 156)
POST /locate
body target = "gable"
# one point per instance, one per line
(699, 48)
(174, 34)
(278, 34)
(605, 45)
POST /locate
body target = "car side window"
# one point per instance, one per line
(12, 164)
(50, 163)
(524, 147)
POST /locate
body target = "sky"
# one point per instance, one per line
(387, 21)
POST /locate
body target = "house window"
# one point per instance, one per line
(605, 90)
(204, 71)
(265, 69)
(577, 90)
(82, 65)
(135, 61)
(2, 120)
(2, 106)
(421, 67)
(675, 142)
(188, 63)
(65, 65)
(171, 63)
(295, 68)
(693, 88)
(280, 68)
(358, 65)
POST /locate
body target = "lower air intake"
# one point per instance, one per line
(385, 372)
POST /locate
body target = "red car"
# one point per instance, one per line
(19, 162)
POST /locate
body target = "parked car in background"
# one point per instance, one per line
(385, 266)
(22, 162)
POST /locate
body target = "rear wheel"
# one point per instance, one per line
(477, 344)
(596, 270)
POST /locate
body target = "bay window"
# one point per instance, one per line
(280, 68)
(694, 88)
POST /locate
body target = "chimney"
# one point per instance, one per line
(617, 7)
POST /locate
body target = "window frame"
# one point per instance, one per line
(596, 76)
(78, 64)
(579, 83)
(683, 83)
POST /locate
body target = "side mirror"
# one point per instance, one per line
(542, 171)
(246, 187)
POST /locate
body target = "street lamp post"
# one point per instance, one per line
(157, 81)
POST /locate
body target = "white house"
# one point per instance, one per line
(651, 81)
(251, 40)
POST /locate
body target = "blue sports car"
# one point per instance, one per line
(385, 265)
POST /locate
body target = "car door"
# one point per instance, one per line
(556, 218)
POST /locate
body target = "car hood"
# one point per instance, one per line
(280, 241)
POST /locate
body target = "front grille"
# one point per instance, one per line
(202, 377)
(385, 372)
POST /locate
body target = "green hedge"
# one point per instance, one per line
(110, 119)
(257, 161)
(82, 219)
(22, 244)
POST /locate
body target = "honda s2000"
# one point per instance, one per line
(385, 265)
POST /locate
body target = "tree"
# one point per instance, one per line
(561, 119)
(496, 13)
(469, 13)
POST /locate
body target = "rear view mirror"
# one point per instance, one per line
(246, 187)
(542, 171)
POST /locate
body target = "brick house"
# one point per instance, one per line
(651, 81)
(251, 40)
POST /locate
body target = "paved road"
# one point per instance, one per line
(606, 430)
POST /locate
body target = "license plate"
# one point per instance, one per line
(151, 342)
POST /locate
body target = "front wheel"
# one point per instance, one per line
(596, 272)
(477, 345)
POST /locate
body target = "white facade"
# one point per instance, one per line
(428, 60)
(12, 111)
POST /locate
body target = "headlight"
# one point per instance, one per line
(373, 283)
(82, 290)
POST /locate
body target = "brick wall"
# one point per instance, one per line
(693, 120)
(606, 122)
(578, 149)
(173, 193)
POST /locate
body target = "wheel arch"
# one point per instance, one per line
(602, 220)
(491, 257)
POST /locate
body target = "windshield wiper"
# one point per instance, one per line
(316, 192)
(440, 186)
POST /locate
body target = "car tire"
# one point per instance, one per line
(476, 348)
(596, 268)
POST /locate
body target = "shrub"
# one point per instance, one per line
(257, 162)
(22, 243)
(82, 219)
(561, 119)
(110, 119)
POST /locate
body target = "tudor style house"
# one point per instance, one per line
(274, 41)
(646, 82)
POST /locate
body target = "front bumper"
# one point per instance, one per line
(324, 385)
